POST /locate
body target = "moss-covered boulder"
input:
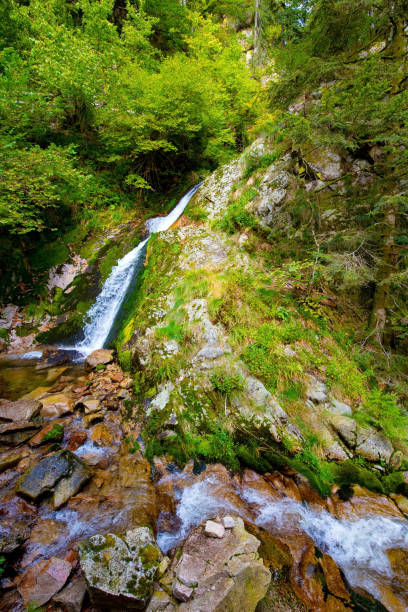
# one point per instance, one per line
(120, 570)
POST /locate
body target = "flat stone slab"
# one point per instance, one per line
(41, 581)
(22, 410)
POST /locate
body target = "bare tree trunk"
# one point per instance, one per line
(256, 26)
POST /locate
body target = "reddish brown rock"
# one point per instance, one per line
(77, 439)
(43, 580)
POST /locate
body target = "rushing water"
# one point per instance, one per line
(358, 546)
(101, 316)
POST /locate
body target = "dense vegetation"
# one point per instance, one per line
(103, 101)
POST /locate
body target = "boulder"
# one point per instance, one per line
(41, 581)
(373, 445)
(99, 357)
(56, 405)
(72, 596)
(316, 391)
(120, 570)
(214, 574)
(17, 432)
(346, 428)
(22, 410)
(62, 474)
(326, 164)
(338, 407)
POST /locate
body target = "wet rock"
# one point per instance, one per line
(56, 405)
(214, 530)
(9, 461)
(401, 501)
(215, 574)
(53, 432)
(72, 596)
(77, 439)
(61, 473)
(89, 404)
(120, 570)
(99, 357)
(93, 417)
(101, 435)
(18, 432)
(41, 581)
(22, 410)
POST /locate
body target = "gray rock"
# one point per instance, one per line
(209, 353)
(373, 445)
(346, 429)
(190, 569)
(338, 407)
(316, 391)
(120, 570)
(182, 592)
(62, 473)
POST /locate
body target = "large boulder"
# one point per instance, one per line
(120, 570)
(373, 445)
(214, 573)
(72, 596)
(56, 405)
(22, 410)
(99, 357)
(41, 581)
(62, 474)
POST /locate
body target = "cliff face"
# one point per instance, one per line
(245, 339)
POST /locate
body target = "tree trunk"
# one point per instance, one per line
(387, 267)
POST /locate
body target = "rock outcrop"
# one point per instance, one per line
(216, 569)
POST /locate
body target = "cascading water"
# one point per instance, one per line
(101, 316)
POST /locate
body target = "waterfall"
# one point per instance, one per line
(101, 316)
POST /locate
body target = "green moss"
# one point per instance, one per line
(150, 556)
(63, 331)
(348, 473)
(55, 435)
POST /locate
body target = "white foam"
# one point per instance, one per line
(196, 504)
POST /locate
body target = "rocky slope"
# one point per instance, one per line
(227, 461)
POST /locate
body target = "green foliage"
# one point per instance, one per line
(55, 434)
(226, 383)
(173, 331)
(381, 410)
(3, 565)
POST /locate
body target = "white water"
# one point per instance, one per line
(101, 316)
(358, 547)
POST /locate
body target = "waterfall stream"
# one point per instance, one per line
(102, 314)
